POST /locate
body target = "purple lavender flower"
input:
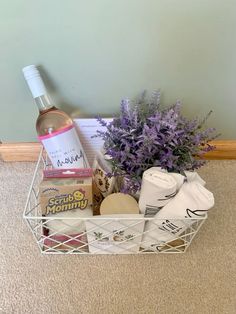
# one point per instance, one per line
(145, 135)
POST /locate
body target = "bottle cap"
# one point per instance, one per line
(34, 80)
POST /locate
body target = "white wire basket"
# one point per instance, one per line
(102, 235)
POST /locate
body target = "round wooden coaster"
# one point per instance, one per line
(119, 203)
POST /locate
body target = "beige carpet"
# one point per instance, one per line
(200, 281)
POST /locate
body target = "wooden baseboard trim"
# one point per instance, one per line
(225, 149)
(19, 151)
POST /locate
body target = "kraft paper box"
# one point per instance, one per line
(67, 192)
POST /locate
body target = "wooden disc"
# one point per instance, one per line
(119, 203)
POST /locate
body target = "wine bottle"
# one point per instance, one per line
(55, 128)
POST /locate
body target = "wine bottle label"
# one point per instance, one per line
(64, 148)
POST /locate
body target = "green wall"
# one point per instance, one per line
(95, 52)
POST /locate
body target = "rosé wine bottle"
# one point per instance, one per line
(55, 128)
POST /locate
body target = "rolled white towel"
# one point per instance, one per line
(194, 176)
(62, 225)
(192, 201)
(157, 189)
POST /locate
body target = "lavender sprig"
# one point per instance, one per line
(144, 136)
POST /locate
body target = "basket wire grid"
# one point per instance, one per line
(98, 234)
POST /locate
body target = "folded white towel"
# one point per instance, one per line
(157, 189)
(192, 201)
(62, 225)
